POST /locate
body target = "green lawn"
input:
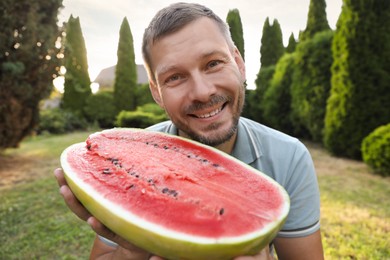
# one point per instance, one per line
(35, 223)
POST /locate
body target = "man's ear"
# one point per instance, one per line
(156, 93)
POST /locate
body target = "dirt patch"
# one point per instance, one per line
(22, 169)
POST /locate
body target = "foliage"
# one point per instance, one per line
(271, 43)
(253, 108)
(316, 19)
(276, 103)
(360, 76)
(142, 117)
(292, 44)
(311, 84)
(376, 150)
(29, 60)
(77, 82)
(126, 71)
(235, 26)
(143, 94)
(100, 108)
(59, 121)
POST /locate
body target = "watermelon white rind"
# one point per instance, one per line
(157, 238)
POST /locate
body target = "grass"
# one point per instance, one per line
(36, 224)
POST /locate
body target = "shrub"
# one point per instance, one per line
(59, 121)
(144, 116)
(100, 108)
(376, 150)
(277, 98)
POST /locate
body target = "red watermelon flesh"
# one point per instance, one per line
(175, 186)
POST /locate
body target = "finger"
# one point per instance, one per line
(73, 203)
(103, 231)
(59, 174)
(155, 258)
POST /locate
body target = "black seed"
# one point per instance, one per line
(166, 147)
(165, 190)
(188, 156)
(147, 143)
(106, 171)
(221, 211)
(137, 176)
(215, 165)
(130, 186)
(156, 145)
(89, 147)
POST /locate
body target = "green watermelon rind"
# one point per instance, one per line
(161, 241)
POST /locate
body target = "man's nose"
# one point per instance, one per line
(202, 88)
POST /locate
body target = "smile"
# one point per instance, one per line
(210, 114)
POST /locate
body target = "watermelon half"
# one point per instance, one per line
(175, 197)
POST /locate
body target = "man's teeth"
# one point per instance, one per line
(213, 113)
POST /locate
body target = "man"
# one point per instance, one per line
(198, 76)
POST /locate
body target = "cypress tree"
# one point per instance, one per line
(360, 91)
(77, 82)
(311, 84)
(126, 71)
(271, 50)
(271, 43)
(316, 19)
(277, 99)
(292, 44)
(29, 61)
(235, 26)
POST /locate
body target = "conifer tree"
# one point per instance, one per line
(271, 43)
(292, 44)
(77, 82)
(126, 71)
(235, 26)
(270, 52)
(29, 61)
(316, 19)
(360, 95)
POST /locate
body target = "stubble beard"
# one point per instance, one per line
(217, 139)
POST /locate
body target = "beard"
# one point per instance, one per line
(217, 136)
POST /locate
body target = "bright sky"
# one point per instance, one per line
(101, 20)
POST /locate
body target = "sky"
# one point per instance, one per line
(101, 20)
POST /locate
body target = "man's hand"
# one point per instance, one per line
(78, 209)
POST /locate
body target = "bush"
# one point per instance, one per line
(144, 116)
(100, 108)
(277, 98)
(59, 121)
(376, 150)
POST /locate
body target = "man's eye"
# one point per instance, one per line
(172, 78)
(213, 63)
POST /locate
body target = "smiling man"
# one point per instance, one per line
(198, 76)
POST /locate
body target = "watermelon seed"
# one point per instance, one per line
(130, 186)
(221, 211)
(89, 147)
(166, 147)
(165, 190)
(106, 171)
(215, 165)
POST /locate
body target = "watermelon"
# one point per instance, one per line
(174, 197)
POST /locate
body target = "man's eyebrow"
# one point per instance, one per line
(165, 69)
(214, 52)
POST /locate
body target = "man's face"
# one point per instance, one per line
(199, 81)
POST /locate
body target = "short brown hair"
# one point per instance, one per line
(173, 18)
